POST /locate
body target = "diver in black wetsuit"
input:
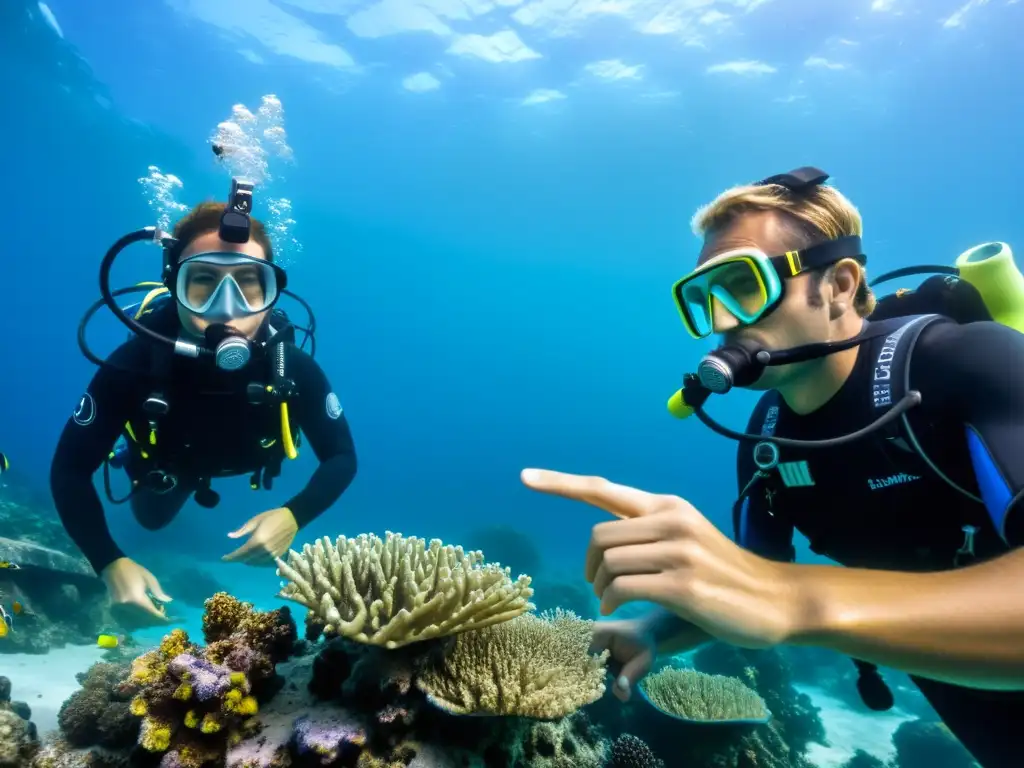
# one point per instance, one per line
(237, 409)
(893, 440)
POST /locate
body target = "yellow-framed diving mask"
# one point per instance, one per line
(748, 284)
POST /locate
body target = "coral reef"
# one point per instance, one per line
(862, 759)
(628, 751)
(531, 666)
(794, 716)
(196, 702)
(922, 742)
(400, 590)
(98, 714)
(692, 695)
(18, 739)
(467, 676)
(61, 600)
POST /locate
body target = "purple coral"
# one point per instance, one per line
(328, 737)
(208, 680)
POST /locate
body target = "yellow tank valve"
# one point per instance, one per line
(990, 268)
(677, 406)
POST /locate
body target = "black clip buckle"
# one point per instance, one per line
(798, 180)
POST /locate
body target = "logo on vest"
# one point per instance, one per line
(795, 474)
(881, 383)
(877, 484)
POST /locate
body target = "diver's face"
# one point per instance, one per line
(206, 243)
(797, 320)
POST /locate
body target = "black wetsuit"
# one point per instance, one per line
(210, 430)
(876, 504)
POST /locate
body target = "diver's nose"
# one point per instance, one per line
(722, 320)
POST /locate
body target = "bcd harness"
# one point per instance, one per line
(274, 393)
(890, 381)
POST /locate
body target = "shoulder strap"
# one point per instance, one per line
(890, 382)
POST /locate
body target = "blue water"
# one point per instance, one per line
(490, 276)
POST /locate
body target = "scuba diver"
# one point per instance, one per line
(212, 383)
(890, 434)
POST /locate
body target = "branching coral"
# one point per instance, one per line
(694, 695)
(400, 590)
(532, 666)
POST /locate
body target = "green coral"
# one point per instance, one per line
(694, 695)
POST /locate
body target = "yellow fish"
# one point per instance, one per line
(6, 622)
(4, 463)
(9, 564)
(3, 629)
(107, 641)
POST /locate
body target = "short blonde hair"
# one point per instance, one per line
(822, 213)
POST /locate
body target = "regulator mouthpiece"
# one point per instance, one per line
(731, 366)
(231, 350)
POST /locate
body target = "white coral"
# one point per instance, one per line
(400, 590)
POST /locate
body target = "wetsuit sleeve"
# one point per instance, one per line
(754, 526)
(85, 443)
(977, 372)
(324, 424)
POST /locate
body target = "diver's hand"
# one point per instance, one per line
(632, 648)
(270, 535)
(130, 587)
(664, 551)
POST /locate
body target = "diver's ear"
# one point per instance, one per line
(843, 279)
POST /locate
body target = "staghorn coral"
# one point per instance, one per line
(400, 590)
(694, 695)
(538, 667)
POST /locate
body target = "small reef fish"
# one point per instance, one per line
(7, 624)
(17, 608)
(8, 564)
(4, 463)
(108, 641)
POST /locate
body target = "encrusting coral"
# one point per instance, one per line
(99, 713)
(537, 667)
(18, 739)
(196, 702)
(694, 695)
(400, 590)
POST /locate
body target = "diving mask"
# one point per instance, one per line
(219, 286)
(748, 284)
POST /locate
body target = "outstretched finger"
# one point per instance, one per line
(614, 498)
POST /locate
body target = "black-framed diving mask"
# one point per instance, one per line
(222, 286)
